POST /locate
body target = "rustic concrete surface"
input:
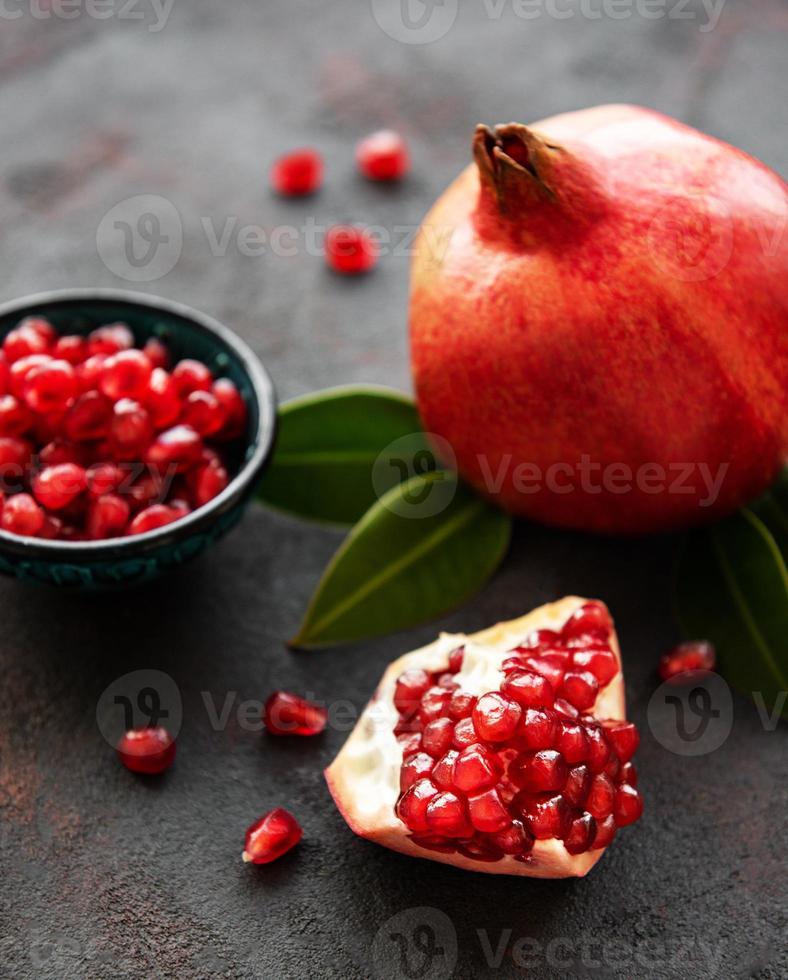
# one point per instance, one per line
(107, 876)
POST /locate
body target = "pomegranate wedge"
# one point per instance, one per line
(507, 751)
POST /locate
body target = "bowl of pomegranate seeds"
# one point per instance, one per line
(133, 432)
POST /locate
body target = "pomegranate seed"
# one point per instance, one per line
(189, 375)
(298, 173)
(107, 517)
(130, 429)
(14, 457)
(207, 482)
(684, 663)
(550, 669)
(578, 784)
(162, 399)
(153, 517)
(147, 750)
(433, 703)
(487, 812)
(480, 849)
(464, 734)
(89, 372)
(461, 705)
(514, 840)
(443, 773)
(42, 327)
(232, 407)
(4, 373)
(203, 413)
(147, 490)
(383, 156)
(414, 768)
(605, 832)
(447, 681)
(601, 796)
(476, 768)
(539, 729)
(529, 689)
(110, 339)
(455, 660)
(350, 250)
(57, 486)
(437, 737)
(566, 709)
(601, 663)
(496, 717)
(50, 387)
(103, 478)
(175, 449)
(582, 832)
(624, 738)
(19, 371)
(540, 638)
(612, 768)
(434, 844)
(73, 349)
(22, 515)
(89, 418)
(126, 375)
(409, 743)
(446, 815)
(22, 342)
(15, 417)
(628, 805)
(543, 771)
(598, 748)
(591, 618)
(409, 689)
(545, 816)
(580, 688)
(412, 805)
(273, 835)
(156, 352)
(59, 451)
(572, 742)
(287, 714)
(52, 528)
(628, 774)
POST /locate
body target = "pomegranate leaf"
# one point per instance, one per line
(338, 450)
(732, 589)
(422, 549)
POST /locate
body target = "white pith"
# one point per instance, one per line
(364, 777)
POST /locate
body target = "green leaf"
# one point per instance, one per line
(338, 450)
(732, 588)
(423, 548)
(772, 509)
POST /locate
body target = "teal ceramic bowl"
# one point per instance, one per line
(121, 562)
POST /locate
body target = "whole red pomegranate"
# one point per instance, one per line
(599, 321)
(507, 751)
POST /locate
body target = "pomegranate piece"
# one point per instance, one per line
(350, 250)
(511, 780)
(383, 156)
(150, 751)
(273, 835)
(22, 515)
(297, 173)
(287, 714)
(686, 662)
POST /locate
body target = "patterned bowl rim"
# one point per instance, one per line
(242, 484)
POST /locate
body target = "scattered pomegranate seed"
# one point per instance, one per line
(273, 835)
(684, 663)
(297, 173)
(22, 515)
(350, 250)
(287, 714)
(383, 156)
(150, 751)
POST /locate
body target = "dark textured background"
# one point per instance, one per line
(104, 875)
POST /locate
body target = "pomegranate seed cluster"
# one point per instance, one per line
(488, 776)
(99, 439)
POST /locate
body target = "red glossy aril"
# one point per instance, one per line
(89, 372)
(591, 618)
(130, 429)
(598, 749)
(189, 375)
(577, 786)
(383, 156)
(71, 348)
(203, 413)
(412, 805)
(156, 352)
(461, 705)
(233, 409)
(683, 663)
(150, 751)
(297, 173)
(496, 717)
(539, 728)
(42, 327)
(107, 517)
(350, 250)
(443, 769)
(22, 342)
(543, 771)
(110, 339)
(57, 486)
(19, 371)
(409, 689)
(529, 689)
(162, 399)
(624, 738)
(515, 840)
(52, 528)
(89, 418)
(549, 668)
(601, 796)
(582, 832)
(287, 714)
(580, 688)
(15, 417)
(446, 815)
(605, 832)
(270, 837)
(152, 518)
(464, 734)
(628, 805)
(103, 478)
(476, 768)
(628, 774)
(50, 387)
(487, 813)
(437, 736)
(601, 663)
(126, 375)
(572, 742)
(22, 515)
(14, 456)
(206, 482)
(416, 767)
(545, 816)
